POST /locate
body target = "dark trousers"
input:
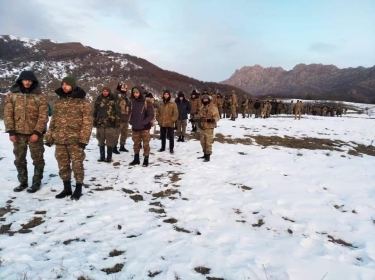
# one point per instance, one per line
(164, 131)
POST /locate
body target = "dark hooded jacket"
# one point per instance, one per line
(26, 110)
(141, 111)
(183, 108)
(71, 122)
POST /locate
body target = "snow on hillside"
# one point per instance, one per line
(253, 212)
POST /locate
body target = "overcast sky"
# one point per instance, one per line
(206, 39)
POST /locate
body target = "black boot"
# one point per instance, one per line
(34, 187)
(109, 154)
(179, 139)
(182, 138)
(207, 158)
(123, 149)
(67, 190)
(115, 151)
(21, 187)
(77, 192)
(204, 156)
(135, 160)
(145, 162)
(102, 153)
(37, 178)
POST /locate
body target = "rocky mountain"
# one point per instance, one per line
(315, 81)
(51, 61)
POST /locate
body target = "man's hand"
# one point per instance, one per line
(34, 138)
(13, 138)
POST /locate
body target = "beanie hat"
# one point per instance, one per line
(70, 81)
(167, 91)
(180, 94)
(107, 89)
(206, 96)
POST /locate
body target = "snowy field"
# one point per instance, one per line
(258, 210)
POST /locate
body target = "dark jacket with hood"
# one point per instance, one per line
(107, 110)
(71, 122)
(26, 110)
(141, 111)
(183, 108)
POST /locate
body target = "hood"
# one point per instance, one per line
(26, 75)
(76, 93)
(141, 96)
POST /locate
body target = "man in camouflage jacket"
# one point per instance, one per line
(25, 119)
(107, 122)
(209, 116)
(124, 104)
(70, 130)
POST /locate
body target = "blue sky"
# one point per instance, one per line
(207, 39)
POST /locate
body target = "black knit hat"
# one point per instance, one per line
(70, 80)
(180, 94)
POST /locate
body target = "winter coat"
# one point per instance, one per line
(124, 104)
(256, 105)
(141, 112)
(106, 111)
(195, 104)
(71, 122)
(214, 99)
(234, 100)
(168, 114)
(26, 110)
(183, 108)
(220, 102)
(206, 112)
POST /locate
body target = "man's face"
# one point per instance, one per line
(66, 88)
(181, 98)
(205, 100)
(136, 94)
(123, 88)
(166, 95)
(27, 83)
(105, 93)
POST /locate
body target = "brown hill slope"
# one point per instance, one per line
(315, 81)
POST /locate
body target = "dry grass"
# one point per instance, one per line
(116, 268)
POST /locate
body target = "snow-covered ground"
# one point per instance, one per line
(252, 212)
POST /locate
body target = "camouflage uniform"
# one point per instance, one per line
(70, 130)
(220, 104)
(213, 99)
(26, 114)
(195, 104)
(245, 107)
(234, 105)
(298, 110)
(167, 117)
(209, 116)
(124, 119)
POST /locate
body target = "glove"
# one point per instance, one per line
(82, 145)
(210, 120)
(48, 144)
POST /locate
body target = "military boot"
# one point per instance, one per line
(202, 157)
(22, 178)
(67, 190)
(109, 154)
(123, 149)
(135, 160)
(115, 151)
(21, 187)
(102, 153)
(145, 161)
(37, 178)
(182, 138)
(77, 192)
(179, 139)
(207, 158)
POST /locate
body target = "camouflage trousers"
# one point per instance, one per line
(107, 136)
(233, 111)
(207, 138)
(244, 112)
(122, 133)
(36, 152)
(298, 113)
(70, 157)
(139, 137)
(181, 127)
(221, 111)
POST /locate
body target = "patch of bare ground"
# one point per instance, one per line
(40, 212)
(246, 188)
(170, 221)
(166, 193)
(67, 242)
(36, 221)
(137, 197)
(340, 242)
(290, 231)
(127, 191)
(115, 253)
(289, 220)
(153, 274)
(227, 139)
(259, 223)
(158, 211)
(176, 228)
(103, 189)
(116, 163)
(83, 277)
(202, 270)
(241, 221)
(156, 203)
(213, 278)
(174, 176)
(116, 268)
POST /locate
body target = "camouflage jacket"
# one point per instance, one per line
(245, 104)
(220, 102)
(195, 104)
(106, 111)
(234, 100)
(209, 111)
(214, 99)
(71, 121)
(168, 114)
(124, 104)
(25, 113)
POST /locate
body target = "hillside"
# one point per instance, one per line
(315, 81)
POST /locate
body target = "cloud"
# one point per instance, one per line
(322, 47)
